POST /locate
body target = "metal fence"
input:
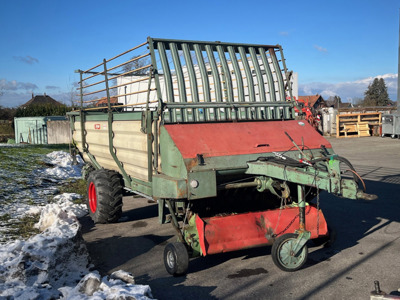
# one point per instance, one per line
(192, 81)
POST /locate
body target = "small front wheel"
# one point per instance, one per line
(283, 255)
(176, 259)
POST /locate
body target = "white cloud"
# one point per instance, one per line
(26, 59)
(52, 87)
(320, 49)
(14, 85)
(350, 89)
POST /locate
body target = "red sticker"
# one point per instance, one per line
(97, 126)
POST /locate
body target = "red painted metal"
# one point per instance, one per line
(92, 197)
(222, 139)
(235, 232)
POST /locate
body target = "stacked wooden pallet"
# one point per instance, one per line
(357, 124)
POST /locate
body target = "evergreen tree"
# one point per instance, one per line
(376, 94)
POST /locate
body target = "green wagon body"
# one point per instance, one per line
(208, 130)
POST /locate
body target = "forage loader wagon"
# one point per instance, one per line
(208, 130)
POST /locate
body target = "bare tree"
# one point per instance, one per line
(134, 65)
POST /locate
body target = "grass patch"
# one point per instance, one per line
(24, 227)
(5, 218)
(78, 186)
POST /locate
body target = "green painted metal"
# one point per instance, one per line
(168, 79)
(204, 78)
(195, 82)
(226, 78)
(202, 184)
(303, 237)
(100, 116)
(278, 74)
(172, 161)
(268, 72)
(303, 234)
(110, 128)
(154, 63)
(216, 80)
(324, 180)
(191, 236)
(164, 186)
(249, 78)
(257, 69)
(192, 80)
(180, 77)
(174, 220)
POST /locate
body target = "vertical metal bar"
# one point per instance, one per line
(147, 111)
(82, 115)
(156, 147)
(204, 79)
(249, 76)
(217, 82)
(227, 78)
(192, 78)
(110, 128)
(149, 147)
(289, 85)
(268, 72)
(81, 84)
(302, 207)
(156, 75)
(174, 220)
(260, 81)
(167, 78)
(279, 76)
(180, 77)
(239, 81)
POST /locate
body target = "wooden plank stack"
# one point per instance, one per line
(357, 124)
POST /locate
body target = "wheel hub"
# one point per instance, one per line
(92, 197)
(170, 259)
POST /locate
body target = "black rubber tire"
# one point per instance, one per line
(176, 259)
(86, 170)
(104, 196)
(281, 250)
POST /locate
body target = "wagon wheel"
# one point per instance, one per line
(104, 191)
(86, 170)
(283, 256)
(176, 258)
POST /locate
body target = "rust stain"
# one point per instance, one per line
(181, 192)
(191, 163)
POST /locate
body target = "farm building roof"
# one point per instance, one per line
(41, 99)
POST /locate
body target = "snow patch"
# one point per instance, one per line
(54, 264)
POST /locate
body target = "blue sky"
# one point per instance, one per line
(336, 47)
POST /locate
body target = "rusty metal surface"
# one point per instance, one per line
(222, 139)
(229, 233)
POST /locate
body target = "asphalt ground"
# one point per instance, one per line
(367, 246)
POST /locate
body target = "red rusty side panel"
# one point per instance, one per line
(222, 139)
(235, 232)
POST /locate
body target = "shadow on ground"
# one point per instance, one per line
(352, 220)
